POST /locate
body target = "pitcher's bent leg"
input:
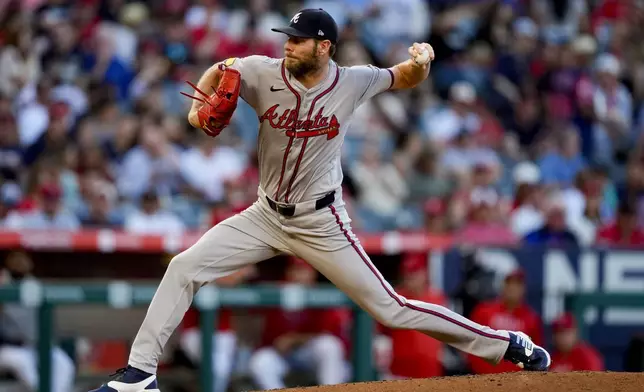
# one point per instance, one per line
(351, 270)
(219, 252)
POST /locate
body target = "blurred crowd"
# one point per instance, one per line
(529, 127)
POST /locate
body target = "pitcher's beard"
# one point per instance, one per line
(299, 68)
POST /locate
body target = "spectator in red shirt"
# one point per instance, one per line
(509, 312)
(301, 339)
(414, 354)
(225, 338)
(624, 230)
(571, 354)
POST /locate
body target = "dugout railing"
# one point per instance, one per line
(579, 303)
(122, 295)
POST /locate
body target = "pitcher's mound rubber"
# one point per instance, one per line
(507, 382)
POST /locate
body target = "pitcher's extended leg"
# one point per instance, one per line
(224, 249)
(351, 270)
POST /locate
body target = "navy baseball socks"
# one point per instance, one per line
(525, 354)
(130, 379)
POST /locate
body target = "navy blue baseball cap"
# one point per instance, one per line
(311, 23)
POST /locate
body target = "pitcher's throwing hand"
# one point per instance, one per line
(422, 53)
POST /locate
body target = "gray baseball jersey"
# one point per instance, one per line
(300, 138)
(301, 130)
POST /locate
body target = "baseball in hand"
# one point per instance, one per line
(422, 54)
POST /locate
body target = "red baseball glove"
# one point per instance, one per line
(218, 108)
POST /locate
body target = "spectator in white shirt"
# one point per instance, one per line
(465, 154)
(50, 213)
(458, 116)
(19, 63)
(613, 107)
(382, 189)
(151, 219)
(32, 112)
(152, 165)
(208, 164)
(527, 215)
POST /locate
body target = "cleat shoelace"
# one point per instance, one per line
(119, 373)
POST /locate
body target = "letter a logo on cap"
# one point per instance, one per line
(296, 17)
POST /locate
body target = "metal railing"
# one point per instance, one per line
(122, 295)
(577, 303)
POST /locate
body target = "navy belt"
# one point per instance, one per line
(289, 209)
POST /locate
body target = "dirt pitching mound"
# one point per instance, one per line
(507, 382)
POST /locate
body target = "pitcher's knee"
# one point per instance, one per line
(181, 265)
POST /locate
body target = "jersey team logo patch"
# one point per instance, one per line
(319, 125)
(229, 61)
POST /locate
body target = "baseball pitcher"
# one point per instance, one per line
(304, 102)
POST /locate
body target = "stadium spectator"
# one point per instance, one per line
(436, 221)
(456, 117)
(509, 311)
(555, 231)
(12, 165)
(582, 202)
(387, 26)
(18, 334)
(152, 165)
(381, 189)
(613, 108)
(301, 339)
(196, 165)
(19, 63)
(527, 212)
(571, 354)
(152, 218)
(561, 163)
(49, 213)
(10, 196)
(624, 231)
(513, 61)
(485, 224)
(427, 180)
(101, 210)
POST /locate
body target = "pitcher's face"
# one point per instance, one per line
(301, 56)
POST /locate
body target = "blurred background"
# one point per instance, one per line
(504, 187)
